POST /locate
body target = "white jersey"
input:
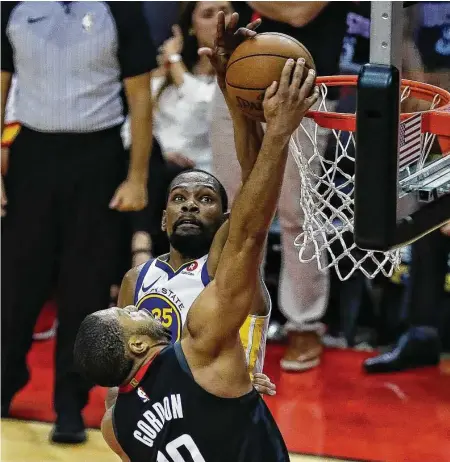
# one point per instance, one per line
(169, 294)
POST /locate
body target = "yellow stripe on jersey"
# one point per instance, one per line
(253, 335)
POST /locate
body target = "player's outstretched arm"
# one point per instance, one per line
(248, 137)
(220, 310)
(248, 134)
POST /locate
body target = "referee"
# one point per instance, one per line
(80, 66)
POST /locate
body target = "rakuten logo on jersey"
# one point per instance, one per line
(193, 266)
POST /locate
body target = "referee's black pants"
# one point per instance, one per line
(58, 232)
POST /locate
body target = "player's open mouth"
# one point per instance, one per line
(188, 224)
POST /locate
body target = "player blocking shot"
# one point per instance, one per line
(194, 400)
(196, 224)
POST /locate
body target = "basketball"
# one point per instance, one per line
(255, 64)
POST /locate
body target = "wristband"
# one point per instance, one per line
(175, 58)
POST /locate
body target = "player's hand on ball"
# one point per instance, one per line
(286, 103)
(263, 384)
(226, 41)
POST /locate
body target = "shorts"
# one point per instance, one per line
(253, 335)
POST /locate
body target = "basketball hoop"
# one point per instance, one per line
(327, 196)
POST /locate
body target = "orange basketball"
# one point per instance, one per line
(255, 64)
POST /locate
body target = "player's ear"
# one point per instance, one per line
(138, 345)
(164, 222)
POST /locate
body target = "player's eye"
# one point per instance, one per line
(206, 199)
(178, 198)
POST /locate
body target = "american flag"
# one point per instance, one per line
(410, 140)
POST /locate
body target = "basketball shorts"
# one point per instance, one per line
(253, 335)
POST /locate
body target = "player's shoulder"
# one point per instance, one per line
(132, 278)
(132, 275)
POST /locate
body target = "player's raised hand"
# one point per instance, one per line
(228, 37)
(287, 101)
(263, 385)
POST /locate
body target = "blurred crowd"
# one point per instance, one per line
(188, 126)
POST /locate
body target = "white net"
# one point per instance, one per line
(327, 199)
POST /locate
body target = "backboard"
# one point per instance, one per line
(402, 173)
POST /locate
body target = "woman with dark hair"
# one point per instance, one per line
(183, 86)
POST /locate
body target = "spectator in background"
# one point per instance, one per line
(356, 45)
(160, 17)
(66, 181)
(303, 289)
(184, 86)
(430, 30)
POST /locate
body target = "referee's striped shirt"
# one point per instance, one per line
(70, 58)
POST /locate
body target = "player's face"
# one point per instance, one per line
(204, 20)
(138, 322)
(193, 214)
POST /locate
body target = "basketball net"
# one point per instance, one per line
(327, 198)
